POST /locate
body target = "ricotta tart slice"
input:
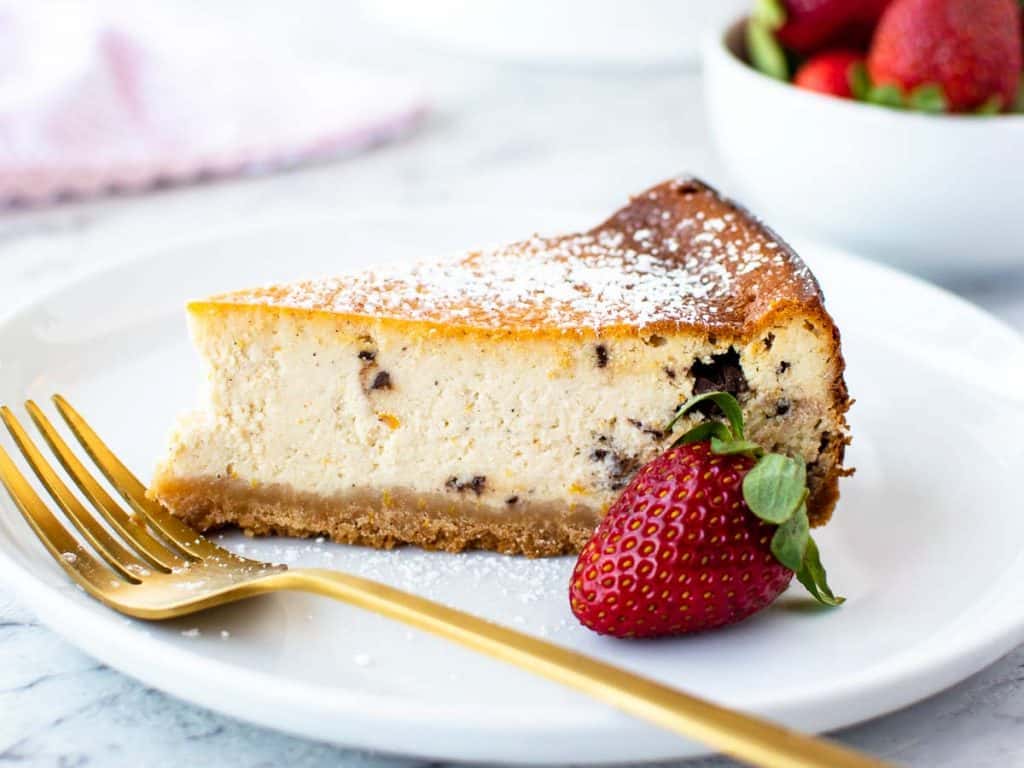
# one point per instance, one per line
(501, 399)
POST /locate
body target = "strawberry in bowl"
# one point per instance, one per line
(831, 73)
(969, 51)
(891, 129)
(811, 26)
(960, 56)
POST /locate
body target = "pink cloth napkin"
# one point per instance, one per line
(90, 108)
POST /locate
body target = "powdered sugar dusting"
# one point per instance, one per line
(528, 594)
(678, 255)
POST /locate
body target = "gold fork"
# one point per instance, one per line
(159, 568)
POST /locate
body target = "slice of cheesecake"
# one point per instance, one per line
(502, 399)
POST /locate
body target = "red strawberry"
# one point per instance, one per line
(969, 48)
(811, 25)
(679, 551)
(871, 11)
(682, 550)
(829, 73)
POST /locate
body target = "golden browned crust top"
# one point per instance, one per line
(678, 256)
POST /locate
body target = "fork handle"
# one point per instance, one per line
(747, 738)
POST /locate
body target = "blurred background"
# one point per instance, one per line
(119, 120)
(525, 105)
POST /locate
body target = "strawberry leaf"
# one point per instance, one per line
(886, 96)
(775, 487)
(770, 13)
(765, 52)
(860, 81)
(725, 447)
(812, 575)
(993, 105)
(929, 97)
(1018, 103)
(723, 400)
(789, 544)
(709, 430)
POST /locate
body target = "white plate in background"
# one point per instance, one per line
(925, 542)
(576, 32)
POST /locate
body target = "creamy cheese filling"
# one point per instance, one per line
(327, 405)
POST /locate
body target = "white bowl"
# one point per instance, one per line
(938, 194)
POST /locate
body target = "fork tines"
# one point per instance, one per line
(134, 543)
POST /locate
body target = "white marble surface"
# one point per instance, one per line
(502, 135)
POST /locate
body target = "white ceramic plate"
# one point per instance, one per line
(925, 543)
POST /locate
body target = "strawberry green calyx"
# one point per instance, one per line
(770, 12)
(927, 97)
(860, 81)
(764, 50)
(775, 489)
(930, 97)
(726, 403)
(993, 105)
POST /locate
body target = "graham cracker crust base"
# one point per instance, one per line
(379, 519)
(386, 519)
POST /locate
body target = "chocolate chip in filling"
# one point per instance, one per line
(723, 374)
(476, 484)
